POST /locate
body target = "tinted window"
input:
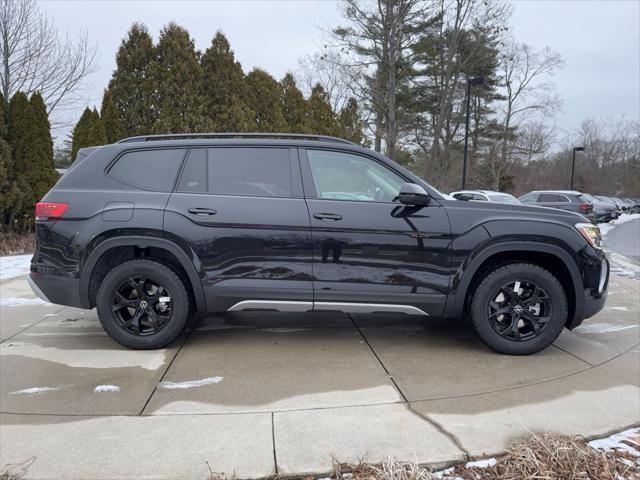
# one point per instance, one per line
(194, 173)
(552, 197)
(153, 170)
(259, 172)
(344, 176)
(478, 197)
(504, 199)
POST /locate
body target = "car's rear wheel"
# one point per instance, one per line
(519, 308)
(143, 304)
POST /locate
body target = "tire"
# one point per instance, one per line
(142, 304)
(497, 320)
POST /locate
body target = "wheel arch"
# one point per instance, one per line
(141, 243)
(550, 257)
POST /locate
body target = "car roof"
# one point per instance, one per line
(486, 192)
(570, 192)
(182, 138)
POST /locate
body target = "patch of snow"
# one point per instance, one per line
(487, 462)
(605, 228)
(619, 309)
(34, 391)
(623, 265)
(13, 266)
(616, 442)
(19, 301)
(106, 388)
(190, 383)
(603, 327)
(55, 314)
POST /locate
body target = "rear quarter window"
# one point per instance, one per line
(153, 170)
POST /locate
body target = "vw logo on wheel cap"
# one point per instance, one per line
(517, 309)
(143, 304)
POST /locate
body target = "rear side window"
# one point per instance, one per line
(153, 170)
(553, 197)
(194, 174)
(257, 172)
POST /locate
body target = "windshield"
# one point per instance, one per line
(504, 198)
(586, 197)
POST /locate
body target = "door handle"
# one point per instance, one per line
(202, 211)
(327, 216)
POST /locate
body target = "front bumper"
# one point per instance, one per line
(56, 289)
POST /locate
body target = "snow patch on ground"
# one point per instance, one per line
(14, 266)
(603, 327)
(34, 391)
(623, 265)
(487, 462)
(190, 383)
(619, 441)
(18, 301)
(619, 309)
(624, 218)
(106, 388)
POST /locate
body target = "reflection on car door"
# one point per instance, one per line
(367, 247)
(242, 211)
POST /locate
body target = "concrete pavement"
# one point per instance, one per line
(259, 394)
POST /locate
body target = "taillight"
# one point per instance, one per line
(585, 207)
(47, 210)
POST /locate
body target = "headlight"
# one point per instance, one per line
(591, 233)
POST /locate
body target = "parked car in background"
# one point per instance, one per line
(154, 229)
(633, 205)
(608, 201)
(604, 212)
(485, 196)
(571, 200)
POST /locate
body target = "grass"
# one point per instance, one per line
(539, 457)
(12, 243)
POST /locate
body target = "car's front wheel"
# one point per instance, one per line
(143, 304)
(519, 308)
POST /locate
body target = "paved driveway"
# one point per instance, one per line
(258, 394)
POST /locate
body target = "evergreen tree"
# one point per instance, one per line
(264, 99)
(42, 174)
(80, 135)
(23, 139)
(6, 192)
(177, 77)
(223, 89)
(110, 120)
(130, 86)
(88, 132)
(320, 117)
(294, 106)
(350, 125)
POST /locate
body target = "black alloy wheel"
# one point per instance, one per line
(142, 305)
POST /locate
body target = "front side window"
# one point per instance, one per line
(258, 172)
(345, 176)
(153, 170)
(529, 198)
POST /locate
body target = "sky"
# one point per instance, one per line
(599, 41)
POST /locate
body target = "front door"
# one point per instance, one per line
(371, 253)
(242, 212)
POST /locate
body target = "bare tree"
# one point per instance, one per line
(34, 57)
(527, 87)
(325, 68)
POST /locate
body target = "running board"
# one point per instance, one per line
(346, 307)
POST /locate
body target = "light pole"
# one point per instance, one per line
(573, 163)
(470, 81)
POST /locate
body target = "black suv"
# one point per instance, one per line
(155, 229)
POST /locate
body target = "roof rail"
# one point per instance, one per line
(275, 136)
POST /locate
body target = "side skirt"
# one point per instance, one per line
(289, 306)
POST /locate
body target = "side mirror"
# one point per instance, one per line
(465, 197)
(414, 195)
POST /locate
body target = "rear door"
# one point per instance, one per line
(242, 213)
(371, 253)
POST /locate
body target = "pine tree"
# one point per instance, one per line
(350, 125)
(110, 120)
(177, 77)
(5, 162)
(23, 139)
(41, 174)
(80, 135)
(130, 86)
(264, 99)
(294, 106)
(320, 117)
(224, 89)
(97, 134)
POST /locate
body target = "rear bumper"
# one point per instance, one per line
(56, 289)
